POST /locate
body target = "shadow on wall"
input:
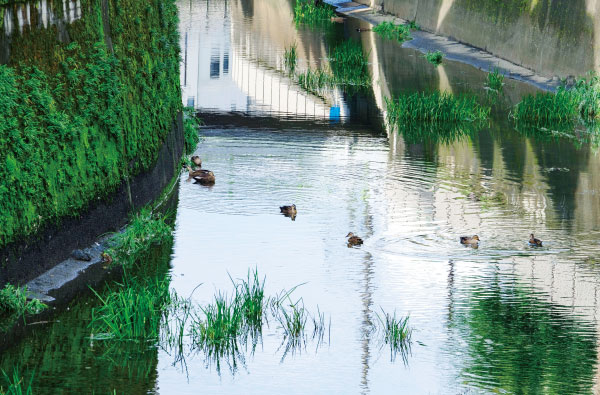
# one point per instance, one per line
(552, 37)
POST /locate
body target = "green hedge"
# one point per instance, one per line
(77, 117)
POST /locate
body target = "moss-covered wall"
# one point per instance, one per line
(552, 37)
(85, 103)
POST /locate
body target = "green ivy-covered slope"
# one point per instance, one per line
(84, 107)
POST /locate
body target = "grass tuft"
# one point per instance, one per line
(391, 31)
(495, 81)
(15, 384)
(434, 108)
(395, 333)
(435, 58)
(144, 230)
(13, 301)
(307, 12)
(290, 58)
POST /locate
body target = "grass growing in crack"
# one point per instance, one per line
(144, 230)
(132, 310)
(13, 301)
(395, 333)
(290, 58)
(392, 31)
(434, 108)
(307, 12)
(15, 384)
(495, 81)
(435, 58)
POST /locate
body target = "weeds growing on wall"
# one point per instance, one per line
(311, 12)
(191, 123)
(435, 58)
(78, 117)
(392, 31)
(434, 108)
(14, 301)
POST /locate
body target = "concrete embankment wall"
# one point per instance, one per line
(552, 37)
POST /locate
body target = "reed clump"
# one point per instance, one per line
(290, 58)
(315, 81)
(132, 310)
(14, 301)
(435, 57)
(495, 81)
(434, 108)
(349, 65)
(395, 333)
(312, 12)
(392, 31)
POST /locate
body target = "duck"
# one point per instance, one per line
(534, 242)
(359, 29)
(469, 240)
(289, 210)
(337, 19)
(204, 177)
(197, 161)
(353, 240)
(198, 172)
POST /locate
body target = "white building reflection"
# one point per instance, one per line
(39, 14)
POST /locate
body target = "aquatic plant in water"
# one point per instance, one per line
(349, 65)
(392, 31)
(495, 81)
(435, 58)
(15, 384)
(290, 58)
(434, 108)
(131, 310)
(396, 333)
(13, 300)
(313, 13)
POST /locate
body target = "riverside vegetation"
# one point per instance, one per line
(96, 113)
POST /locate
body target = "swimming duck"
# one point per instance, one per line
(534, 242)
(197, 161)
(360, 30)
(353, 240)
(204, 177)
(289, 210)
(337, 19)
(469, 240)
(198, 172)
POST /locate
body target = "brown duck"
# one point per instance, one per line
(201, 176)
(353, 240)
(469, 240)
(534, 242)
(288, 210)
(197, 161)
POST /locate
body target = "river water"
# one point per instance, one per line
(502, 318)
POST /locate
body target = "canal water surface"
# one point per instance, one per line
(501, 318)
